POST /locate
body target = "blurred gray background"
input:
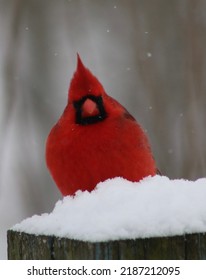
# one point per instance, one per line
(148, 54)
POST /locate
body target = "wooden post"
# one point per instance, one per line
(24, 246)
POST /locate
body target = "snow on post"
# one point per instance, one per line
(156, 218)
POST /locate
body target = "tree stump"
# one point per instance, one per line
(24, 246)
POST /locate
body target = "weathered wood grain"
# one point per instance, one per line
(24, 246)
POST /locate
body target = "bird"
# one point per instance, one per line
(95, 139)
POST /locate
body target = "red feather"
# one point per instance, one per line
(95, 139)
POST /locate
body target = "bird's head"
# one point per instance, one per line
(86, 95)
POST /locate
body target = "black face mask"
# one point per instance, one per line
(100, 116)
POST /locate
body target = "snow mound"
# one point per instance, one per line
(120, 209)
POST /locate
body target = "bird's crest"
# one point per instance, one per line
(84, 83)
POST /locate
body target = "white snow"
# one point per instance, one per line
(119, 209)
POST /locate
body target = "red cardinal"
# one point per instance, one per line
(95, 139)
